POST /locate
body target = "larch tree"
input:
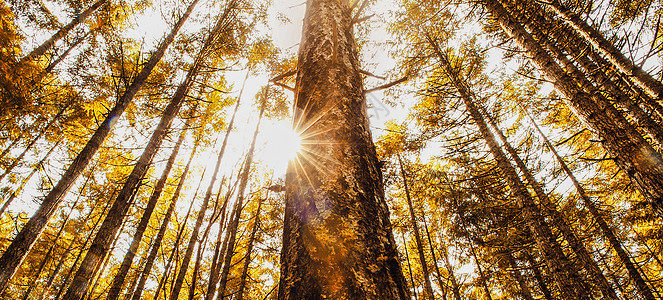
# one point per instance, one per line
(337, 239)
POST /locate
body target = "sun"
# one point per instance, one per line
(281, 145)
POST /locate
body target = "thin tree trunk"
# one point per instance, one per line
(243, 183)
(409, 268)
(482, 275)
(203, 244)
(176, 246)
(336, 227)
(454, 282)
(48, 44)
(538, 276)
(623, 255)
(50, 250)
(196, 269)
(164, 226)
(557, 262)
(249, 249)
(18, 159)
(36, 168)
(590, 265)
(630, 151)
(601, 44)
(515, 272)
(432, 251)
(17, 250)
(221, 244)
(428, 289)
(118, 280)
(216, 265)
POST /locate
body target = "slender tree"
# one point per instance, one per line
(50, 42)
(428, 290)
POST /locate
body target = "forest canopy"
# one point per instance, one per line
(340, 149)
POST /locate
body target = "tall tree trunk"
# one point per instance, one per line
(590, 265)
(249, 249)
(630, 151)
(48, 44)
(118, 279)
(428, 289)
(455, 288)
(538, 276)
(37, 167)
(17, 250)
(625, 258)
(482, 275)
(243, 183)
(164, 226)
(432, 251)
(559, 265)
(337, 240)
(601, 44)
(409, 268)
(216, 265)
(18, 159)
(515, 272)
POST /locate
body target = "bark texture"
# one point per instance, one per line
(337, 239)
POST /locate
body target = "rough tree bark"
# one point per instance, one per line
(337, 239)
(15, 254)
